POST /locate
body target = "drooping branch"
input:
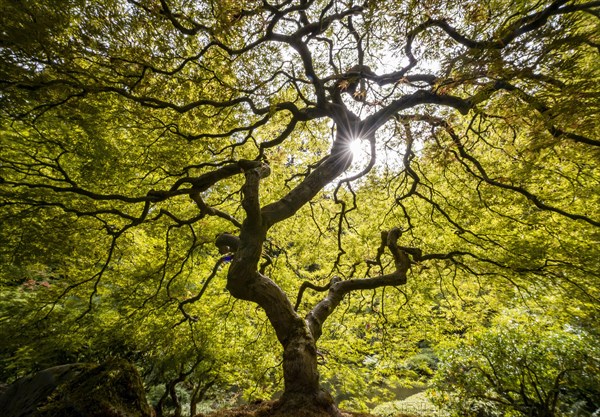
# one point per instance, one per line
(404, 258)
(339, 288)
(499, 40)
(198, 296)
(545, 111)
(477, 170)
(76, 190)
(526, 24)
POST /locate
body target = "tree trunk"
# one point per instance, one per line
(302, 390)
(301, 377)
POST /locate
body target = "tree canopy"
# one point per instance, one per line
(413, 164)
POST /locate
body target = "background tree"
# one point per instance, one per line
(525, 364)
(133, 124)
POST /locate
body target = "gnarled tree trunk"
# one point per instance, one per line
(297, 335)
(301, 376)
(302, 390)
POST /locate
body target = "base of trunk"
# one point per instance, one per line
(291, 408)
(319, 404)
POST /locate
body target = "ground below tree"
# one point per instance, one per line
(270, 409)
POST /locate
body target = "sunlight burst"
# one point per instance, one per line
(359, 149)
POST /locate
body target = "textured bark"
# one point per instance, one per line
(301, 377)
(244, 281)
(298, 336)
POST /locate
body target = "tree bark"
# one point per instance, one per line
(244, 281)
(297, 335)
(300, 363)
(301, 377)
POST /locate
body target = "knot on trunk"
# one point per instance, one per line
(401, 254)
(262, 167)
(227, 243)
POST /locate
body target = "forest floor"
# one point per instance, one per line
(266, 409)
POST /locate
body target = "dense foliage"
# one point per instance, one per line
(525, 364)
(204, 186)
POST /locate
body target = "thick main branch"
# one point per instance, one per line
(339, 288)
